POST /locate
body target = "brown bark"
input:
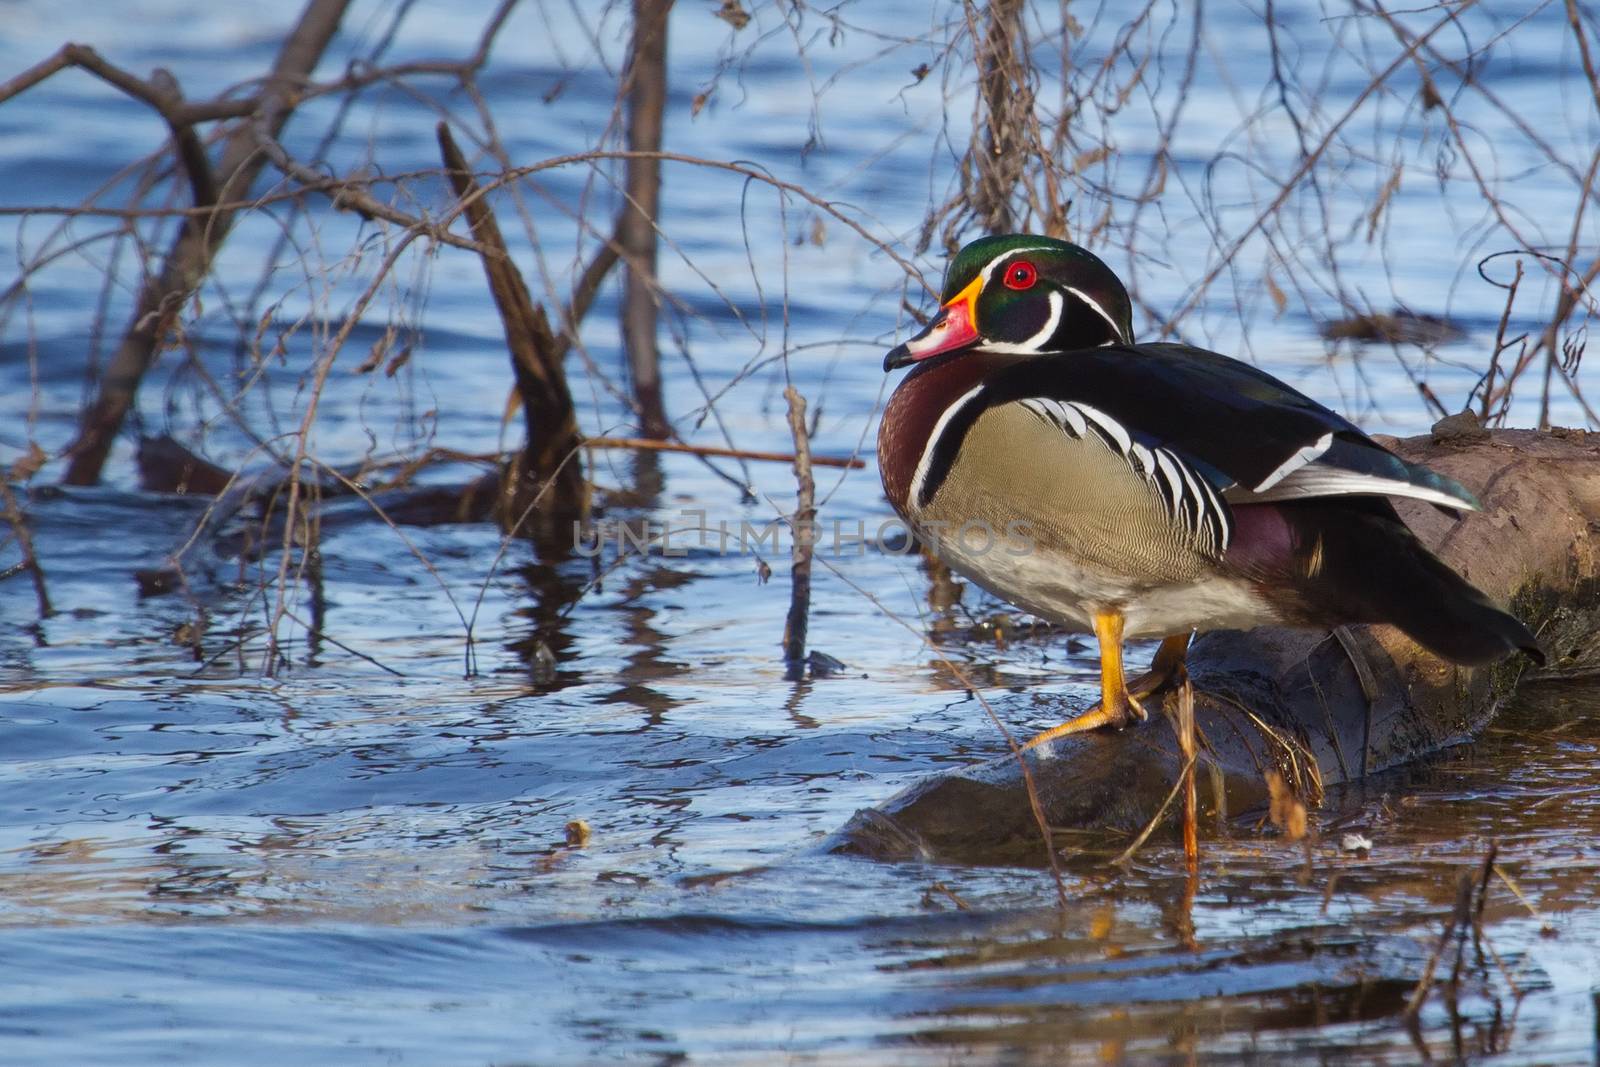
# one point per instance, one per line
(545, 491)
(1318, 707)
(189, 257)
(805, 521)
(17, 522)
(636, 229)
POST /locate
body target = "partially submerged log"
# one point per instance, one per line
(1319, 707)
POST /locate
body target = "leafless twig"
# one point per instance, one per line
(805, 522)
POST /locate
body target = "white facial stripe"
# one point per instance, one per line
(987, 273)
(1116, 330)
(926, 459)
(1008, 348)
(1058, 304)
(1308, 454)
(1032, 343)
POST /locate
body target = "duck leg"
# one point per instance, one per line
(1167, 669)
(1117, 707)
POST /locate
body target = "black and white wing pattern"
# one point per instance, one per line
(1249, 437)
(1192, 503)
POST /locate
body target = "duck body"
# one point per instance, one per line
(1044, 518)
(1151, 489)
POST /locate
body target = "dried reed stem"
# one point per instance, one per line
(805, 521)
(1191, 803)
(1461, 914)
(646, 444)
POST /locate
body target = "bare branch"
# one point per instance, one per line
(805, 522)
(636, 229)
(189, 257)
(550, 419)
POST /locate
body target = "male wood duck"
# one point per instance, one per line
(1147, 490)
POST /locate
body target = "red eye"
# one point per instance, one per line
(1021, 275)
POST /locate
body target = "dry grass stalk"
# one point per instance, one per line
(805, 521)
(1500, 345)
(1184, 774)
(1191, 802)
(1460, 915)
(1287, 811)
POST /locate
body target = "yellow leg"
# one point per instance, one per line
(1119, 704)
(1167, 669)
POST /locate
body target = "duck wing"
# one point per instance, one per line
(1254, 438)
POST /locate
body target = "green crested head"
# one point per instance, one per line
(1027, 294)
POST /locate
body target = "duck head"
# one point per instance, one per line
(1023, 293)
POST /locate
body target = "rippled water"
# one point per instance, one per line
(364, 858)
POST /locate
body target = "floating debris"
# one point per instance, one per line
(1396, 327)
(544, 664)
(823, 665)
(1355, 843)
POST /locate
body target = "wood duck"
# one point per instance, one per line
(1147, 490)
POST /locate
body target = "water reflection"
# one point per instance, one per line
(1137, 966)
(547, 642)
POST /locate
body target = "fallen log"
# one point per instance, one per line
(1319, 707)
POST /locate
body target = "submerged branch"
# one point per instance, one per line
(11, 512)
(546, 485)
(636, 229)
(646, 444)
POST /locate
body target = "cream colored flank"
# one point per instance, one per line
(1099, 537)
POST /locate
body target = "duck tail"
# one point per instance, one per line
(1444, 613)
(1375, 570)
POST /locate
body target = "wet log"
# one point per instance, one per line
(167, 466)
(1319, 707)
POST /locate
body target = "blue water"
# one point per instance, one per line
(362, 856)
